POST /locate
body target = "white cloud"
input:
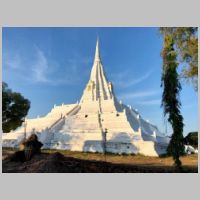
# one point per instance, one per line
(13, 63)
(40, 68)
(120, 76)
(135, 95)
(28, 69)
(150, 102)
(122, 81)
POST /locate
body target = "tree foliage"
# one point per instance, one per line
(192, 139)
(14, 108)
(170, 99)
(186, 44)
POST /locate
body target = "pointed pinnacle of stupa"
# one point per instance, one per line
(97, 52)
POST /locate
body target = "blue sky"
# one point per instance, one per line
(52, 66)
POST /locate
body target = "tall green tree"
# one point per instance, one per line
(170, 99)
(186, 45)
(14, 109)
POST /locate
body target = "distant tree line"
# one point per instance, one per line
(191, 139)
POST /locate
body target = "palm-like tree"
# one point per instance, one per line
(170, 99)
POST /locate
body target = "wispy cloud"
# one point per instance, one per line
(40, 68)
(75, 62)
(13, 63)
(142, 94)
(150, 102)
(43, 69)
(121, 75)
(30, 69)
(123, 81)
(140, 79)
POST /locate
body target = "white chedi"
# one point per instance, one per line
(98, 123)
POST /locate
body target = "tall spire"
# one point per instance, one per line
(97, 53)
(98, 86)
